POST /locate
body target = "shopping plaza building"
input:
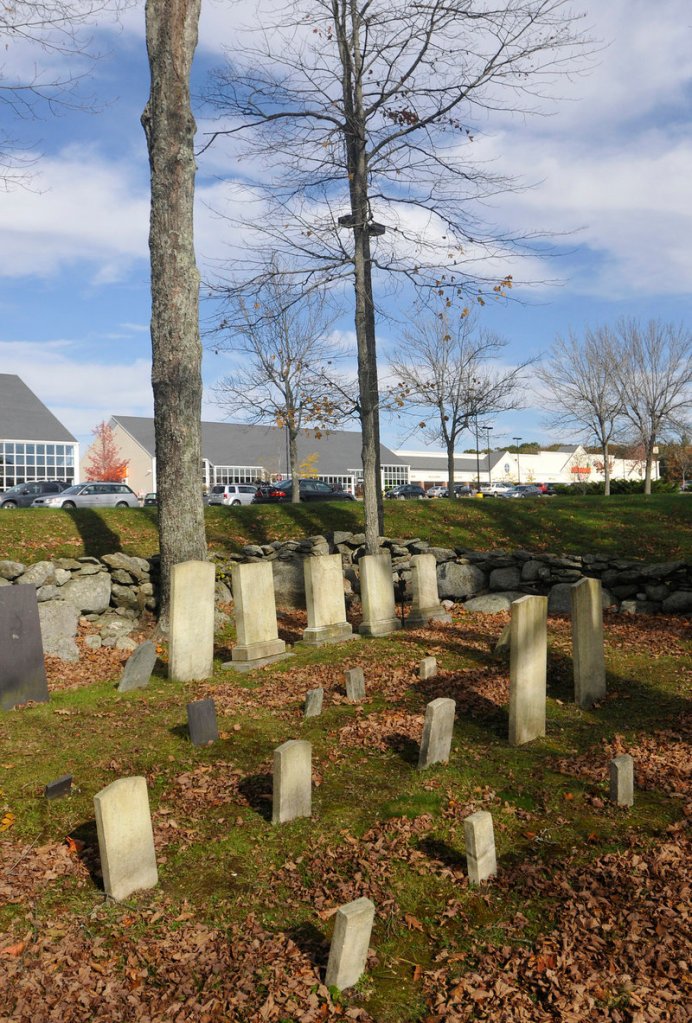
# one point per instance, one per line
(34, 445)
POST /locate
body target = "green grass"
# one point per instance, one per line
(657, 528)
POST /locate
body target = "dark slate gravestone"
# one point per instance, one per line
(201, 722)
(138, 669)
(59, 788)
(22, 672)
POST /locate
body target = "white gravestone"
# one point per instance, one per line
(528, 660)
(587, 642)
(313, 703)
(437, 733)
(348, 952)
(481, 860)
(325, 601)
(126, 838)
(622, 780)
(191, 632)
(425, 606)
(255, 613)
(377, 595)
(355, 684)
(292, 788)
(427, 667)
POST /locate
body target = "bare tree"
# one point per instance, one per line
(445, 371)
(171, 27)
(368, 106)
(654, 377)
(580, 377)
(51, 27)
(284, 362)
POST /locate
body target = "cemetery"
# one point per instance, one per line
(384, 815)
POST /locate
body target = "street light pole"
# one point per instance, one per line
(487, 437)
(478, 461)
(516, 441)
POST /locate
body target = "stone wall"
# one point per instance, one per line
(113, 592)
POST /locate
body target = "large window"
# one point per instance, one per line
(27, 461)
(394, 475)
(238, 473)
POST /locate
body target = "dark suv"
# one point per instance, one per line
(406, 492)
(24, 494)
(310, 490)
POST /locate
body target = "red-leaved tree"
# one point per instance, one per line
(105, 462)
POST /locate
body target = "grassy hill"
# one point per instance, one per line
(656, 528)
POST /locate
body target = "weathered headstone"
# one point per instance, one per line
(325, 601)
(22, 672)
(126, 838)
(201, 722)
(481, 860)
(350, 942)
(313, 703)
(587, 642)
(255, 613)
(425, 606)
(622, 780)
(503, 644)
(138, 668)
(60, 787)
(377, 595)
(292, 788)
(437, 732)
(355, 684)
(427, 667)
(527, 669)
(191, 635)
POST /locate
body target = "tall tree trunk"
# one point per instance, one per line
(347, 26)
(606, 470)
(649, 448)
(293, 459)
(451, 493)
(171, 30)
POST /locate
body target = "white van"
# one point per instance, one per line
(232, 493)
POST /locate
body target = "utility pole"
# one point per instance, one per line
(516, 441)
(487, 437)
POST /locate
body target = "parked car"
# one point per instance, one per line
(91, 495)
(523, 490)
(437, 491)
(150, 499)
(310, 490)
(464, 490)
(24, 494)
(406, 492)
(493, 489)
(232, 493)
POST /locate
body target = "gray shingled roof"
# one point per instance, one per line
(422, 462)
(240, 444)
(24, 417)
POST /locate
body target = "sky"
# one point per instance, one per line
(609, 162)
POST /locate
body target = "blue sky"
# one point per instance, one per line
(611, 159)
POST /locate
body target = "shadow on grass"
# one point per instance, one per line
(441, 852)
(403, 745)
(97, 537)
(87, 834)
(257, 789)
(312, 942)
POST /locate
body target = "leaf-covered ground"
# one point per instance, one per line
(588, 918)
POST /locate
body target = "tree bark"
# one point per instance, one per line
(606, 470)
(293, 459)
(451, 493)
(171, 32)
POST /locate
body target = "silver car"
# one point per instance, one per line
(232, 493)
(91, 495)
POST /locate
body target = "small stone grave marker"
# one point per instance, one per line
(425, 606)
(22, 671)
(292, 788)
(201, 722)
(349, 948)
(138, 668)
(437, 732)
(313, 703)
(355, 684)
(622, 780)
(481, 860)
(427, 667)
(60, 787)
(126, 838)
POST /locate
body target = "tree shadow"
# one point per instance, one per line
(257, 790)
(97, 537)
(441, 852)
(402, 744)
